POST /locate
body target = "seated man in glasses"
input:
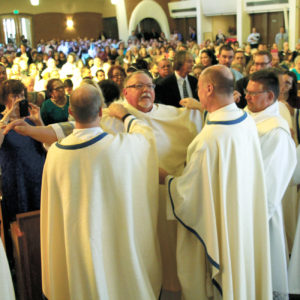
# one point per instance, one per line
(262, 60)
(279, 157)
(174, 129)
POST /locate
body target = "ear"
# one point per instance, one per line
(209, 89)
(100, 112)
(271, 96)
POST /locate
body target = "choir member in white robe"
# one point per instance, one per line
(6, 285)
(99, 209)
(220, 202)
(174, 129)
(279, 156)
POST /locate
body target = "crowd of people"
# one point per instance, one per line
(220, 121)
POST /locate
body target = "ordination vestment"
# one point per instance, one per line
(99, 216)
(220, 204)
(6, 285)
(294, 263)
(279, 156)
(174, 129)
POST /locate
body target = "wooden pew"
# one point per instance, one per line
(25, 232)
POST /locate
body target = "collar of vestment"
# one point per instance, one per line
(269, 119)
(81, 138)
(160, 113)
(226, 115)
(136, 112)
(270, 112)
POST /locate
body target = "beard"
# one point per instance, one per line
(145, 101)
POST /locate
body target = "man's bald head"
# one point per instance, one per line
(85, 103)
(220, 77)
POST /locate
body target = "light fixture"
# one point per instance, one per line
(35, 2)
(70, 23)
(114, 2)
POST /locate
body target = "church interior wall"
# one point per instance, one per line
(223, 23)
(67, 6)
(53, 25)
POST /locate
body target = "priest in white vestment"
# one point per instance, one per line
(279, 156)
(6, 285)
(294, 263)
(99, 209)
(220, 202)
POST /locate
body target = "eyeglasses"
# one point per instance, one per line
(141, 86)
(254, 93)
(261, 64)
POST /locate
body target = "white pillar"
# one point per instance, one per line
(293, 28)
(122, 19)
(199, 18)
(242, 22)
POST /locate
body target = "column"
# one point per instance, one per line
(242, 22)
(121, 19)
(294, 23)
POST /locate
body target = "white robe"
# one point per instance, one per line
(290, 199)
(6, 285)
(220, 203)
(279, 156)
(174, 129)
(99, 214)
(294, 263)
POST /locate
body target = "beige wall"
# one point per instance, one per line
(62, 6)
(53, 25)
(222, 23)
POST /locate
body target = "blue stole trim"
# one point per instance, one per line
(82, 145)
(230, 122)
(193, 231)
(297, 125)
(205, 115)
(130, 123)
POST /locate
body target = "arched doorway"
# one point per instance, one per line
(149, 27)
(146, 10)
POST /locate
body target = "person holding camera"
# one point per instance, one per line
(21, 158)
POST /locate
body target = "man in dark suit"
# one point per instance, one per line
(178, 85)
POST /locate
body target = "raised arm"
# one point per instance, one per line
(43, 134)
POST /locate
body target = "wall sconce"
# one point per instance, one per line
(70, 23)
(34, 2)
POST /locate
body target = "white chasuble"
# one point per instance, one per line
(279, 156)
(174, 129)
(99, 216)
(220, 204)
